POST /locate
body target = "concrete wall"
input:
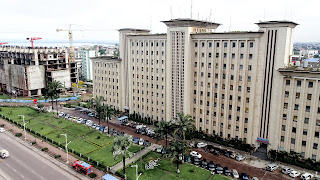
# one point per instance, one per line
(63, 76)
(36, 77)
(17, 76)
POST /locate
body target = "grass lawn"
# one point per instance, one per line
(63, 123)
(78, 130)
(135, 148)
(167, 170)
(56, 136)
(81, 146)
(5, 96)
(42, 129)
(104, 156)
(219, 177)
(100, 139)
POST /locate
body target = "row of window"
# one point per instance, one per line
(303, 143)
(224, 66)
(309, 96)
(299, 83)
(147, 61)
(225, 55)
(147, 44)
(147, 53)
(110, 65)
(225, 44)
(296, 107)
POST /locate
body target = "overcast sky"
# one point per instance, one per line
(41, 18)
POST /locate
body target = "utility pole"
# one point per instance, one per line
(24, 127)
(67, 143)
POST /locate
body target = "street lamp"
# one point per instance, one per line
(66, 146)
(24, 127)
(137, 177)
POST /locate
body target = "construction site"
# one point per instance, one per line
(26, 71)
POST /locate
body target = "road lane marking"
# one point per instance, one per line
(34, 172)
(21, 176)
(14, 170)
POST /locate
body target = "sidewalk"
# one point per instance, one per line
(118, 166)
(49, 155)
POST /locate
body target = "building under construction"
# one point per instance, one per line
(26, 71)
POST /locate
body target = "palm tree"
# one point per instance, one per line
(176, 149)
(55, 86)
(164, 129)
(121, 144)
(110, 111)
(184, 123)
(100, 109)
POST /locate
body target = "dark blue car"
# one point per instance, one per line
(136, 140)
(102, 128)
(244, 176)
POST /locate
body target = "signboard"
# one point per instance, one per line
(263, 140)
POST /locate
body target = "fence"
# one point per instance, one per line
(39, 101)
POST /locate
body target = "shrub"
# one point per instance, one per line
(192, 170)
(33, 142)
(1, 125)
(44, 149)
(98, 137)
(57, 156)
(92, 175)
(18, 134)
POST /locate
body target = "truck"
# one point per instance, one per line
(4, 153)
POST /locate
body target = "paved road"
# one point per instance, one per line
(23, 163)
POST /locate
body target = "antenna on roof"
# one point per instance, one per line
(171, 11)
(214, 16)
(191, 10)
(210, 15)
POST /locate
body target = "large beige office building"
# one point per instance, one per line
(230, 82)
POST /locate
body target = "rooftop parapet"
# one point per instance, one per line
(191, 23)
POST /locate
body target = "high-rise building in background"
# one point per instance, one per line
(86, 63)
(233, 84)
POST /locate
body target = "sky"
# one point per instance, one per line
(99, 20)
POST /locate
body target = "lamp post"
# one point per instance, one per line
(66, 146)
(137, 177)
(24, 127)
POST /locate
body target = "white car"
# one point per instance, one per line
(235, 174)
(105, 130)
(272, 167)
(286, 170)
(306, 176)
(2, 130)
(196, 154)
(201, 145)
(294, 174)
(98, 127)
(240, 158)
(141, 141)
(88, 122)
(79, 120)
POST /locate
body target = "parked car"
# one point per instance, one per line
(88, 122)
(146, 143)
(217, 152)
(306, 176)
(105, 130)
(78, 108)
(244, 176)
(192, 144)
(94, 126)
(141, 141)
(286, 170)
(240, 158)
(195, 154)
(79, 120)
(196, 161)
(2, 130)
(83, 121)
(294, 174)
(102, 128)
(226, 171)
(201, 145)
(219, 169)
(209, 148)
(115, 133)
(255, 178)
(204, 164)
(98, 127)
(272, 167)
(159, 149)
(61, 114)
(136, 140)
(235, 174)
(211, 166)
(91, 114)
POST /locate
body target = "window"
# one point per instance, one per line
(217, 55)
(225, 44)
(210, 44)
(224, 55)
(306, 120)
(299, 83)
(304, 143)
(309, 96)
(288, 82)
(283, 128)
(195, 44)
(242, 44)
(241, 67)
(210, 55)
(307, 108)
(249, 78)
(294, 129)
(218, 44)
(250, 56)
(202, 44)
(297, 95)
(251, 44)
(249, 67)
(241, 56)
(310, 85)
(296, 107)
(233, 55)
(293, 141)
(305, 132)
(233, 44)
(315, 145)
(314, 157)
(316, 134)
(284, 117)
(282, 138)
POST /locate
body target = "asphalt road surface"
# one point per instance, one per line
(24, 164)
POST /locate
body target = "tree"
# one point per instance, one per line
(100, 109)
(121, 144)
(110, 111)
(184, 123)
(176, 149)
(54, 86)
(164, 129)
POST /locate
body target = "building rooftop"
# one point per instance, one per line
(300, 69)
(106, 58)
(191, 23)
(134, 30)
(283, 23)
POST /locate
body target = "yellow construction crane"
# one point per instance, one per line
(71, 39)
